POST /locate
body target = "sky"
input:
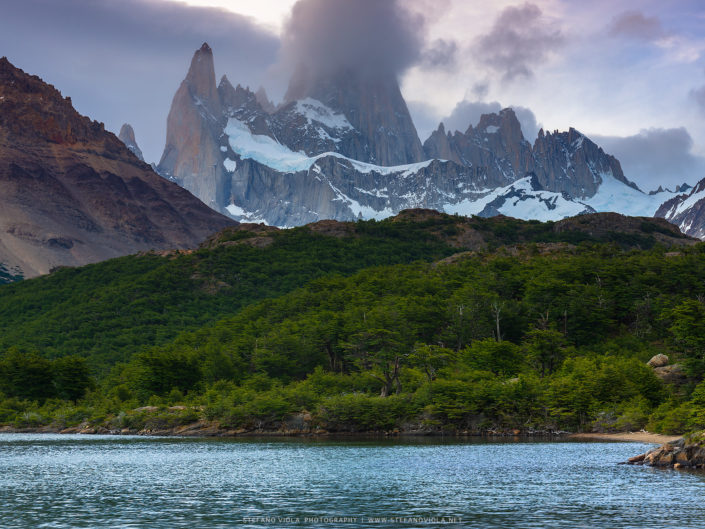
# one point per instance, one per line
(628, 74)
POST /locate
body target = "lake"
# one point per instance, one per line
(61, 481)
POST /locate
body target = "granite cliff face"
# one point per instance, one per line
(191, 156)
(72, 193)
(571, 163)
(495, 149)
(127, 136)
(374, 107)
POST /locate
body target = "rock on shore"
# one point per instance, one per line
(687, 452)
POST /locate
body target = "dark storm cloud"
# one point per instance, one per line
(656, 157)
(376, 36)
(519, 40)
(636, 25)
(122, 61)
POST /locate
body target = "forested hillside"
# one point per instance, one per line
(419, 323)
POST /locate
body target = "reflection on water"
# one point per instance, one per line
(99, 481)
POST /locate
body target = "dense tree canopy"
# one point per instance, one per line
(373, 330)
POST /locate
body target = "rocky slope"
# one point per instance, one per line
(72, 193)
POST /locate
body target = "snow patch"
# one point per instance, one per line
(613, 195)
(242, 215)
(522, 201)
(314, 110)
(687, 203)
(269, 152)
(491, 129)
(230, 165)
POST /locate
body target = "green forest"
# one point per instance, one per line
(429, 323)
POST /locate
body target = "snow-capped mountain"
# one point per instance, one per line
(687, 210)
(344, 147)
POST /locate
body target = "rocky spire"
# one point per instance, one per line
(127, 136)
(195, 123)
(263, 100)
(495, 149)
(201, 79)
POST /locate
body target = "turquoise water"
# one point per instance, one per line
(61, 481)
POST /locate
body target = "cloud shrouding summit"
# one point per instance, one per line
(370, 36)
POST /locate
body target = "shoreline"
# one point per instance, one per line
(634, 437)
(200, 429)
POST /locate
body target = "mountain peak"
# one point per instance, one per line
(264, 101)
(201, 77)
(127, 133)
(127, 136)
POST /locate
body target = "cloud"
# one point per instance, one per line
(440, 53)
(519, 40)
(123, 61)
(424, 116)
(656, 157)
(698, 95)
(636, 25)
(481, 89)
(372, 36)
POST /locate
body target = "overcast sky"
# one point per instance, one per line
(629, 74)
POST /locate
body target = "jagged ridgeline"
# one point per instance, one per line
(423, 321)
(342, 145)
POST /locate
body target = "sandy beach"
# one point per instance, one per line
(638, 437)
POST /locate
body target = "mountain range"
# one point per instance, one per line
(343, 146)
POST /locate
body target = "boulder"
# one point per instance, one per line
(659, 360)
(673, 374)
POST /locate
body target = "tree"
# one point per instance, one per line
(688, 331)
(71, 377)
(26, 376)
(431, 358)
(546, 349)
(501, 358)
